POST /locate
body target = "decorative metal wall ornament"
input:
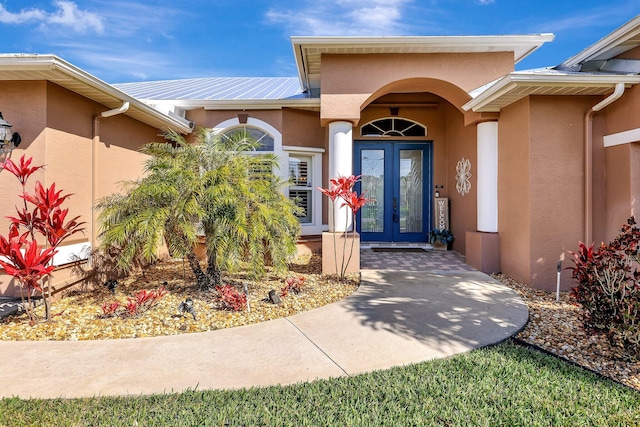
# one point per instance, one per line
(463, 175)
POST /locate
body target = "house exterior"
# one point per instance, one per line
(528, 163)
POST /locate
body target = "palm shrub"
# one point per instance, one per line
(608, 288)
(214, 187)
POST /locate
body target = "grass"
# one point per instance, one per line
(504, 385)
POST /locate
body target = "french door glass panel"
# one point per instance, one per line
(372, 181)
(411, 188)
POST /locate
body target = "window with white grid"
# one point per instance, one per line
(304, 171)
(301, 185)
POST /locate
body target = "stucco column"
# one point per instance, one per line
(340, 164)
(487, 177)
(482, 247)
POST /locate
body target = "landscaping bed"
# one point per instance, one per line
(79, 315)
(556, 327)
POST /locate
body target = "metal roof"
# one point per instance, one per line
(216, 88)
(623, 39)
(62, 73)
(594, 71)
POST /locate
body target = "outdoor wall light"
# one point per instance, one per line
(8, 139)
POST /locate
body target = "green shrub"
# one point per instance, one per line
(608, 289)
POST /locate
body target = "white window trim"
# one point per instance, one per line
(66, 254)
(620, 138)
(393, 118)
(283, 164)
(235, 122)
(315, 226)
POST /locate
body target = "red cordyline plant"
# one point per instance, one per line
(230, 299)
(20, 254)
(140, 302)
(110, 308)
(143, 300)
(293, 284)
(341, 189)
(608, 288)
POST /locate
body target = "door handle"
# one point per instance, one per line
(395, 209)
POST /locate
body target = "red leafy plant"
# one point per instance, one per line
(608, 289)
(141, 302)
(110, 308)
(41, 216)
(341, 189)
(230, 299)
(292, 284)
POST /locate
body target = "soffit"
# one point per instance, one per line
(62, 73)
(309, 50)
(516, 86)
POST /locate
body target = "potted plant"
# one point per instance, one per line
(441, 239)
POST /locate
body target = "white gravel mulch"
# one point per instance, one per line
(557, 328)
(79, 315)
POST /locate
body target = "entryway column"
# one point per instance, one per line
(488, 177)
(337, 253)
(340, 164)
(483, 246)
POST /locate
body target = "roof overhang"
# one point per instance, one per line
(56, 70)
(309, 50)
(518, 85)
(619, 41)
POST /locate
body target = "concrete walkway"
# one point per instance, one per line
(395, 318)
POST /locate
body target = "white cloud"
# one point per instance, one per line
(376, 17)
(69, 15)
(144, 20)
(66, 14)
(484, 2)
(26, 15)
(343, 17)
(106, 60)
(590, 18)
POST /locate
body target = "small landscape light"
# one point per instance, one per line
(186, 306)
(558, 281)
(111, 285)
(273, 297)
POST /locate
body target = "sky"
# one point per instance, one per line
(142, 40)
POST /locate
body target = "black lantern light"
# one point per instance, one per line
(8, 139)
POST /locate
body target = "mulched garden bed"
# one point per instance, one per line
(79, 315)
(556, 327)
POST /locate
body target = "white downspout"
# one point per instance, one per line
(95, 139)
(588, 159)
(115, 111)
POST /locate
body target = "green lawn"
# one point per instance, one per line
(504, 385)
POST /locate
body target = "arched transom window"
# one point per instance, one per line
(265, 140)
(393, 126)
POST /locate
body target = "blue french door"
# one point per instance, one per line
(396, 178)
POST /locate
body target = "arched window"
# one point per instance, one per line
(299, 164)
(393, 126)
(265, 140)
